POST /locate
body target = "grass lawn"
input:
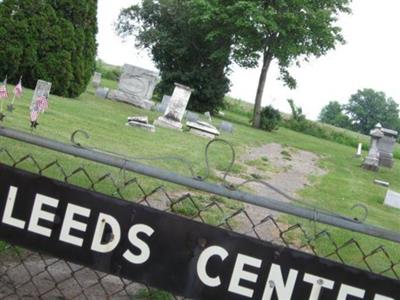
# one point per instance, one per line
(344, 185)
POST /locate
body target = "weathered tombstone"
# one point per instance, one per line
(386, 146)
(96, 79)
(42, 90)
(226, 126)
(371, 162)
(162, 107)
(191, 116)
(141, 122)
(136, 87)
(203, 129)
(208, 116)
(392, 199)
(102, 92)
(359, 150)
(176, 108)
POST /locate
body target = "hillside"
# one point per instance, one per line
(343, 185)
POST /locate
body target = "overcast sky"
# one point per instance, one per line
(369, 59)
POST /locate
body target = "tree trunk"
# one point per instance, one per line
(267, 58)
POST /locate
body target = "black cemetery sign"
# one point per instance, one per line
(166, 251)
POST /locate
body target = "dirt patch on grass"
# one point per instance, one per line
(287, 169)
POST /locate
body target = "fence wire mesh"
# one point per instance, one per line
(25, 274)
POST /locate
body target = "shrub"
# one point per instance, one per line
(270, 118)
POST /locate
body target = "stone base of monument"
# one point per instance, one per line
(371, 163)
(392, 199)
(203, 129)
(386, 160)
(168, 123)
(124, 97)
(141, 122)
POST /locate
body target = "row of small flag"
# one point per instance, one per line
(38, 105)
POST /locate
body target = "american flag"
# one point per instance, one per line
(42, 103)
(18, 89)
(3, 90)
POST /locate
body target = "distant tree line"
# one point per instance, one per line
(53, 40)
(363, 111)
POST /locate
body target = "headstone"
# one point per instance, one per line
(141, 122)
(136, 87)
(96, 79)
(359, 150)
(203, 129)
(102, 92)
(208, 116)
(176, 108)
(371, 162)
(392, 199)
(226, 126)
(386, 146)
(192, 117)
(221, 113)
(42, 90)
(381, 182)
(162, 107)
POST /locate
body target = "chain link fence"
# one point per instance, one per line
(28, 275)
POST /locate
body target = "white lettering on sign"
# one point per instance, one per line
(7, 215)
(275, 281)
(39, 214)
(142, 246)
(347, 290)
(317, 284)
(203, 261)
(240, 274)
(69, 223)
(98, 234)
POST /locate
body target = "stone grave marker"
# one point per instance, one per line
(141, 122)
(371, 162)
(226, 126)
(386, 146)
(96, 79)
(392, 199)
(192, 117)
(136, 87)
(102, 92)
(208, 116)
(203, 129)
(42, 90)
(162, 107)
(176, 108)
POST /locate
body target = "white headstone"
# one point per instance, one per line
(176, 108)
(359, 149)
(136, 87)
(392, 199)
(208, 116)
(96, 79)
(42, 90)
(102, 92)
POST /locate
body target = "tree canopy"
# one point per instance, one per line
(50, 40)
(368, 107)
(180, 49)
(333, 114)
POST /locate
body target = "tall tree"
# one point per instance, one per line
(50, 40)
(181, 48)
(368, 107)
(333, 114)
(286, 31)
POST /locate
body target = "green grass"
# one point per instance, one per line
(344, 185)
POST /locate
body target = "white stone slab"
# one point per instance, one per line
(130, 99)
(96, 79)
(392, 199)
(147, 127)
(203, 126)
(140, 119)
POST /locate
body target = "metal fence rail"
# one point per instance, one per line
(25, 274)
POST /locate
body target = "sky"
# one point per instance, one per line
(369, 59)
